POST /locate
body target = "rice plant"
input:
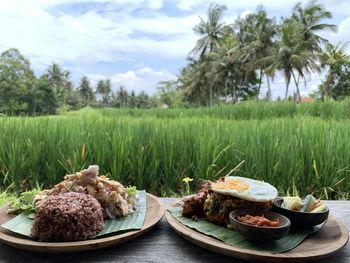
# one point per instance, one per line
(291, 146)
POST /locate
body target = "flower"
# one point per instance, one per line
(187, 180)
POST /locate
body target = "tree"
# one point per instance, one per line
(194, 82)
(86, 91)
(142, 101)
(104, 89)
(292, 55)
(60, 81)
(340, 88)
(210, 31)
(132, 99)
(256, 34)
(310, 20)
(100, 88)
(311, 17)
(74, 100)
(43, 98)
(170, 94)
(107, 91)
(16, 82)
(122, 98)
(330, 57)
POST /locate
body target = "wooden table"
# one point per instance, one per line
(162, 244)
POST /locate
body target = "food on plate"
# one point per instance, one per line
(245, 188)
(75, 208)
(292, 203)
(115, 199)
(309, 204)
(216, 200)
(258, 221)
(320, 208)
(67, 217)
(193, 205)
(259, 226)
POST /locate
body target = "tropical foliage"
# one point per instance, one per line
(228, 64)
(22, 93)
(234, 58)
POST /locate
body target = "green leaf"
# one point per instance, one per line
(24, 202)
(288, 242)
(132, 221)
(22, 224)
(131, 190)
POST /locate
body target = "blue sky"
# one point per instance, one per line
(135, 43)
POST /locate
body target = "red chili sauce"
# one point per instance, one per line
(258, 221)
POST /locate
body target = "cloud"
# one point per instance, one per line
(83, 34)
(188, 4)
(93, 37)
(343, 33)
(141, 79)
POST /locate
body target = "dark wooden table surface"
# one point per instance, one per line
(162, 244)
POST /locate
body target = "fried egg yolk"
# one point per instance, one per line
(234, 184)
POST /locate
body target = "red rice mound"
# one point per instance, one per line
(67, 217)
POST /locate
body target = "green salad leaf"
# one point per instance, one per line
(131, 190)
(25, 202)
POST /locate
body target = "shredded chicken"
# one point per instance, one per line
(113, 197)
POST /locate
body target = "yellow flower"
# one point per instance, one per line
(187, 180)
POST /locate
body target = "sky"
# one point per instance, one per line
(135, 43)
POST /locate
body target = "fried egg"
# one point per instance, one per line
(245, 188)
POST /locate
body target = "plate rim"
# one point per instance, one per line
(220, 247)
(89, 244)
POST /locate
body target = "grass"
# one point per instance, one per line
(156, 149)
(245, 111)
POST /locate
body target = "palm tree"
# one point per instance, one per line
(193, 81)
(231, 71)
(59, 79)
(256, 33)
(122, 97)
(311, 17)
(100, 88)
(292, 55)
(329, 57)
(211, 31)
(107, 92)
(221, 65)
(85, 90)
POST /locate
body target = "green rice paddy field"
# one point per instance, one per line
(295, 147)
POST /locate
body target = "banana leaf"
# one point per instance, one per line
(231, 237)
(22, 224)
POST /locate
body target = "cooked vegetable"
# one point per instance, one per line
(308, 203)
(292, 202)
(319, 208)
